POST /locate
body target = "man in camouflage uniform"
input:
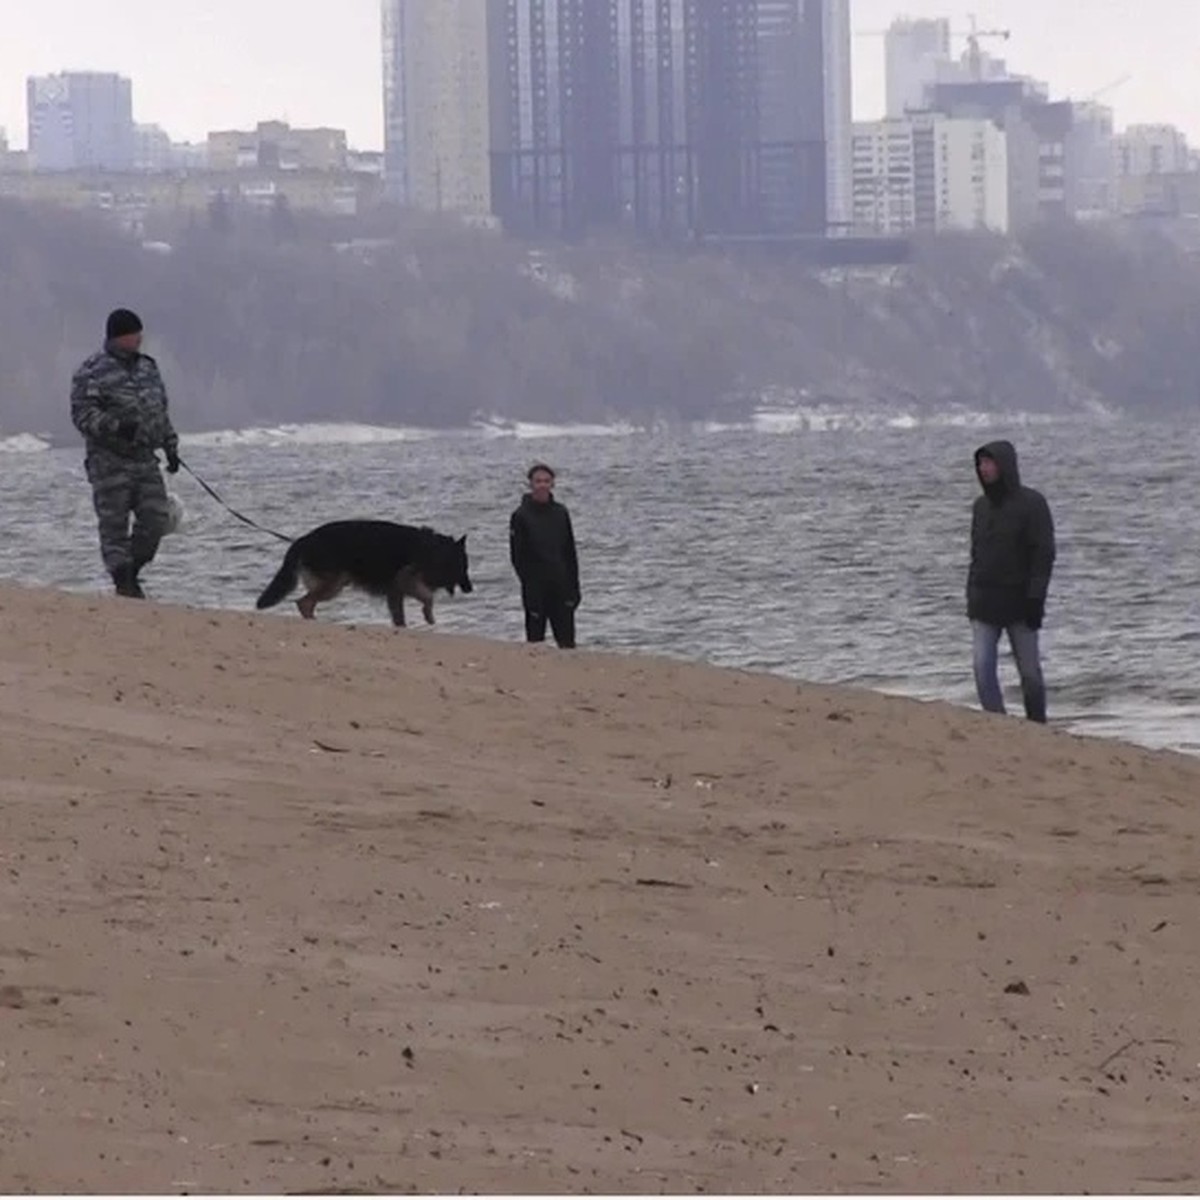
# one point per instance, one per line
(119, 404)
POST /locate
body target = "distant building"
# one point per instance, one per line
(80, 121)
(1053, 125)
(839, 113)
(982, 68)
(757, 75)
(1152, 150)
(668, 117)
(367, 162)
(1174, 195)
(276, 146)
(1058, 152)
(1157, 174)
(154, 152)
(152, 149)
(915, 52)
(12, 161)
(436, 103)
(671, 118)
(189, 156)
(930, 172)
(127, 197)
(1091, 160)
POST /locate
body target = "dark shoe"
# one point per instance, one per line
(126, 582)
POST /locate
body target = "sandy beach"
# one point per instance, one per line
(292, 907)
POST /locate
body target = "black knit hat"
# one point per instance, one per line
(122, 322)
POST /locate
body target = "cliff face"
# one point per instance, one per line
(432, 324)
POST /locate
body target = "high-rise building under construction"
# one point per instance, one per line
(669, 117)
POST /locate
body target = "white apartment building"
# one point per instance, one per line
(917, 52)
(437, 133)
(80, 120)
(1152, 150)
(930, 172)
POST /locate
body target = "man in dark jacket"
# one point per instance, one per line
(119, 405)
(542, 549)
(1012, 558)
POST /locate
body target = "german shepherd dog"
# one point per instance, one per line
(377, 557)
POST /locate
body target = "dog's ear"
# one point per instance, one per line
(462, 541)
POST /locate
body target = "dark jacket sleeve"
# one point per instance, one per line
(87, 413)
(170, 442)
(1042, 551)
(975, 522)
(571, 555)
(518, 546)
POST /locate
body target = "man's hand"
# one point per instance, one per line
(1035, 613)
(573, 602)
(172, 461)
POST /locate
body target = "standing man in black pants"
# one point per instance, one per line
(542, 549)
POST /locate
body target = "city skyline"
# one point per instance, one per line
(232, 64)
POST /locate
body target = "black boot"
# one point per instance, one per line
(126, 582)
(138, 565)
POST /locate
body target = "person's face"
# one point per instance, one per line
(989, 471)
(541, 486)
(131, 343)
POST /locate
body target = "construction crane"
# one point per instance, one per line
(1109, 87)
(974, 54)
(974, 35)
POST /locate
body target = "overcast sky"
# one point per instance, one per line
(214, 64)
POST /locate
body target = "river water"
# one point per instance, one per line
(835, 555)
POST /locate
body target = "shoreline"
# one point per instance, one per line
(1108, 727)
(766, 420)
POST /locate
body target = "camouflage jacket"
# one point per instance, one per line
(109, 389)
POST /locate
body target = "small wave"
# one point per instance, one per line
(350, 434)
(765, 420)
(838, 419)
(328, 434)
(23, 443)
(1156, 726)
(533, 430)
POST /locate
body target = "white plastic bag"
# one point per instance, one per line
(174, 513)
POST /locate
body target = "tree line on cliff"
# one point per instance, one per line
(267, 318)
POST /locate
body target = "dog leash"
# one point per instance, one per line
(233, 512)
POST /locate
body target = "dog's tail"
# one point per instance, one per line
(285, 579)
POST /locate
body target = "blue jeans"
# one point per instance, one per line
(1024, 643)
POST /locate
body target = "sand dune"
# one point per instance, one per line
(292, 907)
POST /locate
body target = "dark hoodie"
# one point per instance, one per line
(1012, 543)
(542, 549)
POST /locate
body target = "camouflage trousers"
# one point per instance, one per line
(124, 489)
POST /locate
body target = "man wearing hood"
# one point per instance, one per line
(1012, 558)
(119, 405)
(542, 550)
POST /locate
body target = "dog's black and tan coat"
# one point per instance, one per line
(377, 557)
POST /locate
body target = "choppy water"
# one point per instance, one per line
(831, 556)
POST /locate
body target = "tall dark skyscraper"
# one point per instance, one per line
(666, 116)
(756, 91)
(654, 161)
(555, 113)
